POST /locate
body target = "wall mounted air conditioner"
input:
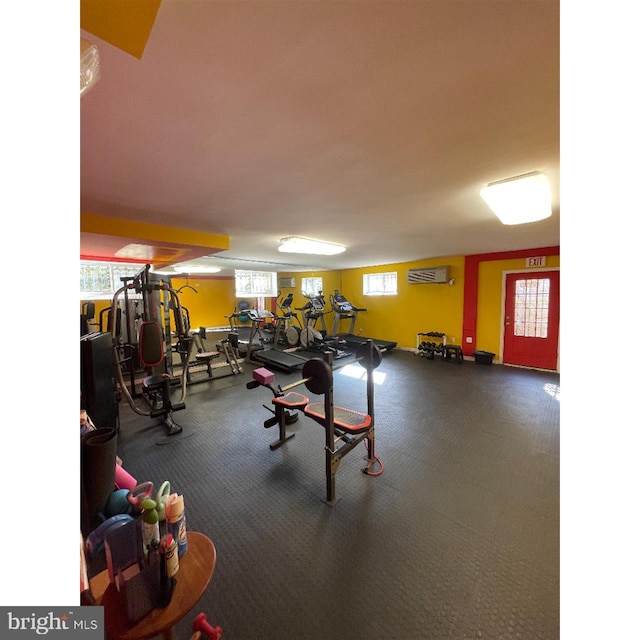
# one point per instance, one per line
(428, 275)
(286, 283)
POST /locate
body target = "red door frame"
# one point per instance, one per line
(470, 304)
(540, 360)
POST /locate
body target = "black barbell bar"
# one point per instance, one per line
(316, 372)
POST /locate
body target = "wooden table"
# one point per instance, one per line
(195, 572)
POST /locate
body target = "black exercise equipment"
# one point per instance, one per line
(313, 313)
(87, 314)
(344, 428)
(316, 340)
(261, 347)
(287, 323)
(344, 310)
(98, 387)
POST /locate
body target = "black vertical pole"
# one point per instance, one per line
(370, 403)
(329, 434)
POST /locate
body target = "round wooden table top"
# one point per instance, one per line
(195, 572)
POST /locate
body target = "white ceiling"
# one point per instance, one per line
(369, 124)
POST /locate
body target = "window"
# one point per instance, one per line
(312, 286)
(532, 308)
(380, 284)
(256, 284)
(100, 280)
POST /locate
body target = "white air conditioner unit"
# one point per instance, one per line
(286, 283)
(428, 275)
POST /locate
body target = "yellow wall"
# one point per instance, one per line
(490, 299)
(417, 307)
(330, 281)
(215, 299)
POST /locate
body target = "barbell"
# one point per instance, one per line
(317, 374)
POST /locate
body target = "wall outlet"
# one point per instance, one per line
(453, 339)
(469, 340)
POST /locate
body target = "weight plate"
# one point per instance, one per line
(369, 355)
(320, 375)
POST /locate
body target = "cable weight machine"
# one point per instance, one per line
(145, 307)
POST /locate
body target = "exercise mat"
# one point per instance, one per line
(97, 474)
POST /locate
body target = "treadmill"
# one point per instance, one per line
(344, 310)
(262, 350)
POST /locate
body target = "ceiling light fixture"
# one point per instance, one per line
(293, 244)
(194, 268)
(524, 198)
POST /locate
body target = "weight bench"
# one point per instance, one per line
(341, 425)
(203, 358)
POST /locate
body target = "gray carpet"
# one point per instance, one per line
(458, 538)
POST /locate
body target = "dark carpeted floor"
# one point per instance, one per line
(457, 538)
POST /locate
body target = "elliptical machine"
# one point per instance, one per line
(142, 346)
(313, 339)
(287, 325)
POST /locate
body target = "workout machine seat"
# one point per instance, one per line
(206, 356)
(347, 420)
(162, 382)
(291, 400)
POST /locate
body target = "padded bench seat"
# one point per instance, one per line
(291, 400)
(207, 355)
(343, 419)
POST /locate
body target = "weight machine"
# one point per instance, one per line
(141, 345)
(206, 361)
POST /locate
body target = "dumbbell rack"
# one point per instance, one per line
(433, 346)
(437, 345)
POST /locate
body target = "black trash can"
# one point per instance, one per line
(483, 357)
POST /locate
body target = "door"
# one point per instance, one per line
(532, 319)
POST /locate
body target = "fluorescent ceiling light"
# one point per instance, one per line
(195, 268)
(293, 244)
(525, 198)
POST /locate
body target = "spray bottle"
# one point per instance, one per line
(150, 526)
(176, 523)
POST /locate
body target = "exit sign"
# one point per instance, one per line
(540, 261)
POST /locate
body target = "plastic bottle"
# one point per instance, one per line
(171, 555)
(176, 523)
(150, 526)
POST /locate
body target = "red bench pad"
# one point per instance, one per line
(292, 400)
(345, 419)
